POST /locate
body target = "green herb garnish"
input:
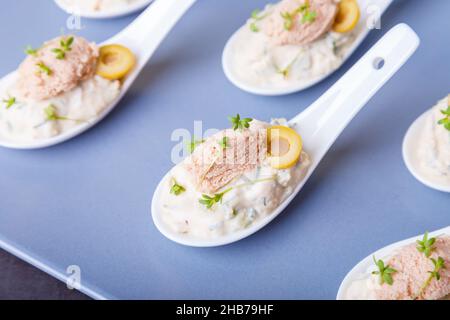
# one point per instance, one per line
(385, 272)
(308, 16)
(426, 245)
(224, 143)
(210, 201)
(193, 144)
(256, 17)
(285, 72)
(255, 14)
(176, 188)
(60, 54)
(9, 102)
(288, 20)
(254, 27)
(30, 51)
(239, 123)
(439, 264)
(51, 114)
(446, 120)
(44, 69)
(66, 46)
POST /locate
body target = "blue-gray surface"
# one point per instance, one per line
(87, 202)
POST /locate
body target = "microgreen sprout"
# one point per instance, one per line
(224, 143)
(285, 72)
(425, 245)
(65, 46)
(288, 19)
(308, 16)
(254, 27)
(210, 200)
(44, 68)
(9, 102)
(256, 16)
(240, 124)
(191, 145)
(176, 188)
(446, 120)
(51, 114)
(438, 264)
(30, 51)
(384, 271)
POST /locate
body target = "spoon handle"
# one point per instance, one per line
(324, 120)
(145, 34)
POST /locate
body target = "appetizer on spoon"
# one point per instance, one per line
(238, 180)
(65, 83)
(426, 147)
(292, 45)
(69, 84)
(102, 9)
(413, 269)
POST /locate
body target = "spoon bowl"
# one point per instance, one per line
(322, 122)
(142, 37)
(106, 14)
(409, 151)
(361, 270)
(368, 8)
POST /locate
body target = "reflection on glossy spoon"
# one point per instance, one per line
(410, 155)
(77, 9)
(142, 37)
(362, 271)
(322, 122)
(368, 8)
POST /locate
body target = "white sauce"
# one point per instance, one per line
(256, 61)
(241, 207)
(25, 121)
(434, 147)
(365, 285)
(363, 289)
(97, 5)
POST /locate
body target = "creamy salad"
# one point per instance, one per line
(294, 42)
(433, 150)
(418, 271)
(233, 180)
(65, 83)
(97, 5)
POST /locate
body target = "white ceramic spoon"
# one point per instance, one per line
(369, 9)
(104, 14)
(363, 269)
(323, 121)
(410, 155)
(143, 37)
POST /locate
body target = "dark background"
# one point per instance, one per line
(19, 280)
